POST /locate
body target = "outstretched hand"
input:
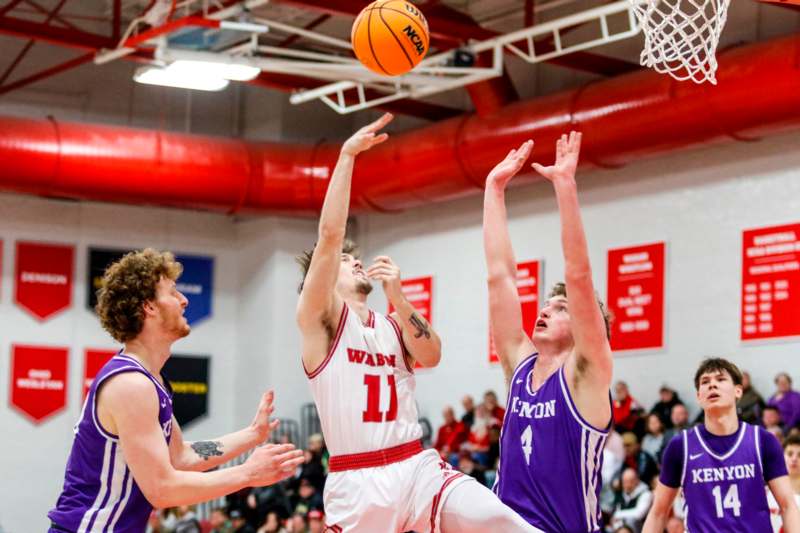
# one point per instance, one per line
(508, 167)
(261, 424)
(567, 150)
(367, 137)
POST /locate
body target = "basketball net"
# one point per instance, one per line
(681, 36)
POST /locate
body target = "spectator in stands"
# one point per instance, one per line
(316, 522)
(467, 465)
(451, 435)
(642, 462)
(265, 500)
(613, 455)
(239, 522)
(653, 441)
(494, 409)
(675, 525)
(493, 455)
(219, 521)
(633, 502)
(307, 498)
(791, 453)
(626, 410)
(478, 440)
(314, 466)
(469, 411)
(667, 399)
(187, 520)
(154, 522)
(751, 403)
(272, 524)
(680, 421)
(771, 420)
(786, 400)
(297, 524)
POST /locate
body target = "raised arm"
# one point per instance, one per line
(659, 512)
(147, 455)
(591, 365)
(505, 316)
(781, 489)
(204, 455)
(319, 306)
(419, 338)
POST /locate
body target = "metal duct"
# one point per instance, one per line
(623, 118)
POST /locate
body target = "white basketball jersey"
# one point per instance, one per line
(364, 389)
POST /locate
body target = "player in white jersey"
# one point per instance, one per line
(360, 366)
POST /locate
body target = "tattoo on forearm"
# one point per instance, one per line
(207, 448)
(422, 327)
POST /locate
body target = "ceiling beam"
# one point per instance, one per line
(52, 71)
(11, 5)
(38, 7)
(52, 34)
(415, 108)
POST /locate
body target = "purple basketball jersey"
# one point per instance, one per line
(550, 458)
(724, 493)
(100, 494)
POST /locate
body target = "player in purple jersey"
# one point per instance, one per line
(722, 465)
(559, 407)
(128, 454)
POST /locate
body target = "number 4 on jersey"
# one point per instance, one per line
(373, 412)
(527, 440)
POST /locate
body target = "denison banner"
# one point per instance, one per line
(93, 361)
(528, 288)
(188, 377)
(38, 381)
(770, 282)
(43, 278)
(636, 296)
(196, 283)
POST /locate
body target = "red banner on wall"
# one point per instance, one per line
(528, 288)
(38, 381)
(93, 361)
(770, 282)
(636, 296)
(44, 275)
(419, 293)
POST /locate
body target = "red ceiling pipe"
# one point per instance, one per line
(623, 118)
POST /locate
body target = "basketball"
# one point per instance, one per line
(390, 37)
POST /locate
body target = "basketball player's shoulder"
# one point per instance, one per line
(674, 449)
(128, 387)
(524, 360)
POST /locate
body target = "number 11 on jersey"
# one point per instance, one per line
(373, 412)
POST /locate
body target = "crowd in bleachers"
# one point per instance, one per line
(470, 441)
(632, 456)
(292, 506)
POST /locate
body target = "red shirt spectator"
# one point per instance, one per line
(494, 409)
(626, 410)
(452, 434)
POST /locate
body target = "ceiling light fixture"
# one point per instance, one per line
(183, 79)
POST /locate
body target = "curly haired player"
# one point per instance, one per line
(128, 454)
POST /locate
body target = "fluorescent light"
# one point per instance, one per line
(243, 26)
(228, 71)
(197, 80)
